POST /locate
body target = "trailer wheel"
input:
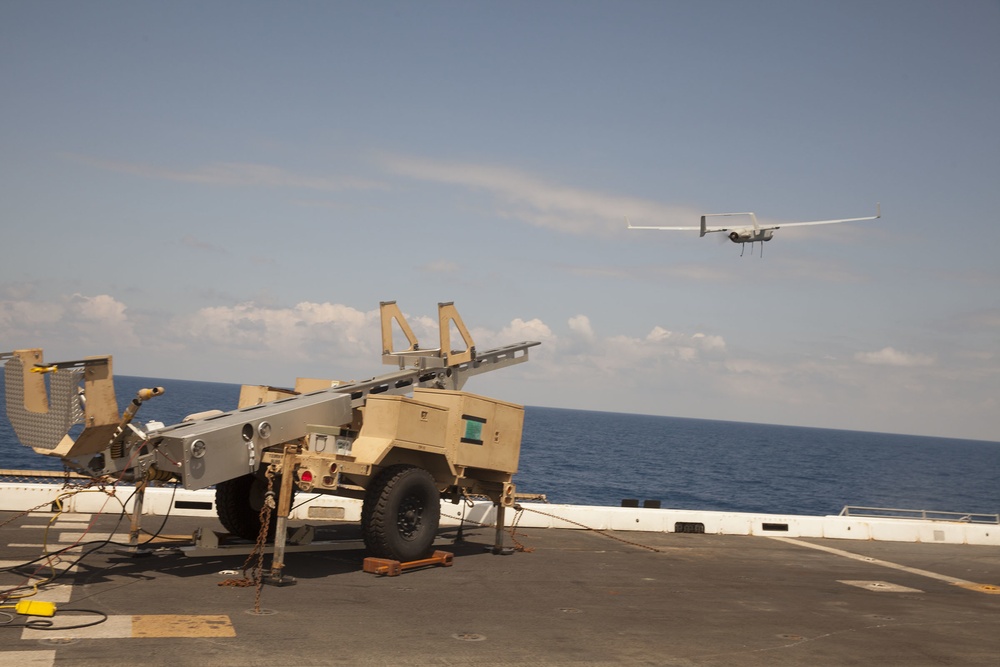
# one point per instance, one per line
(238, 502)
(400, 514)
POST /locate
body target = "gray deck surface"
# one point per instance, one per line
(577, 598)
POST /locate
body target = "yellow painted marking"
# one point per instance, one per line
(182, 625)
(982, 588)
(955, 581)
(149, 625)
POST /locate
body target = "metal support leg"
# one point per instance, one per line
(498, 547)
(136, 525)
(276, 577)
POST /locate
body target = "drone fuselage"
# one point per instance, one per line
(750, 235)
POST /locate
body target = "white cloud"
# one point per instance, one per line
(191, 241)
(889, 356)
(659, 334)
(530, 198)
(661, 371)
(86, 320)
(580, 325)
(100, 318)
(101, 308)
(520, 330)
(18, 291)
(688, 345)
(305, 331)
(19, 317)
(234, 174)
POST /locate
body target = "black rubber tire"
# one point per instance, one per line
(238, 502)
(401, 513)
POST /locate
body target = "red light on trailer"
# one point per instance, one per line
(306, 476)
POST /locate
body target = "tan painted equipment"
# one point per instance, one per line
(400, 441)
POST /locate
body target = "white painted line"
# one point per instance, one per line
(58, 593)
(28, 658)
(54, 593)
(72, 538)
(116, 627)
(876, 561)
(61, 522)
(58, 565)
(61, 549)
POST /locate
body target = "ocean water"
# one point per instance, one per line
(600, 458)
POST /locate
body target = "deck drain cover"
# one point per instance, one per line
(262, 612)
(58, 641)
(880, 586)
(469, 636)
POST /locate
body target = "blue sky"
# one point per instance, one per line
(225, 191)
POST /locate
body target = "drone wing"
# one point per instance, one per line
(668, 229)
(878, 214)
(703, 228)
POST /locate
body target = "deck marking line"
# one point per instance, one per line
(884, 563)
(60, 593)
(28, 658)
(58, 564)
(55, 593)
(144, 625)
(80, 516)
(64, 550)
(92, 536)
(989, 589)
(116, 627)
(182, 625)
(55, 562)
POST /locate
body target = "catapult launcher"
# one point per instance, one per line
(399, 441)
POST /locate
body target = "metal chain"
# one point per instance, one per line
(518, 546)
(519, 512)
(256, 576)
(521, 509)
(595, 530)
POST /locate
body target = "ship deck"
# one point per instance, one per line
(572, 597)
